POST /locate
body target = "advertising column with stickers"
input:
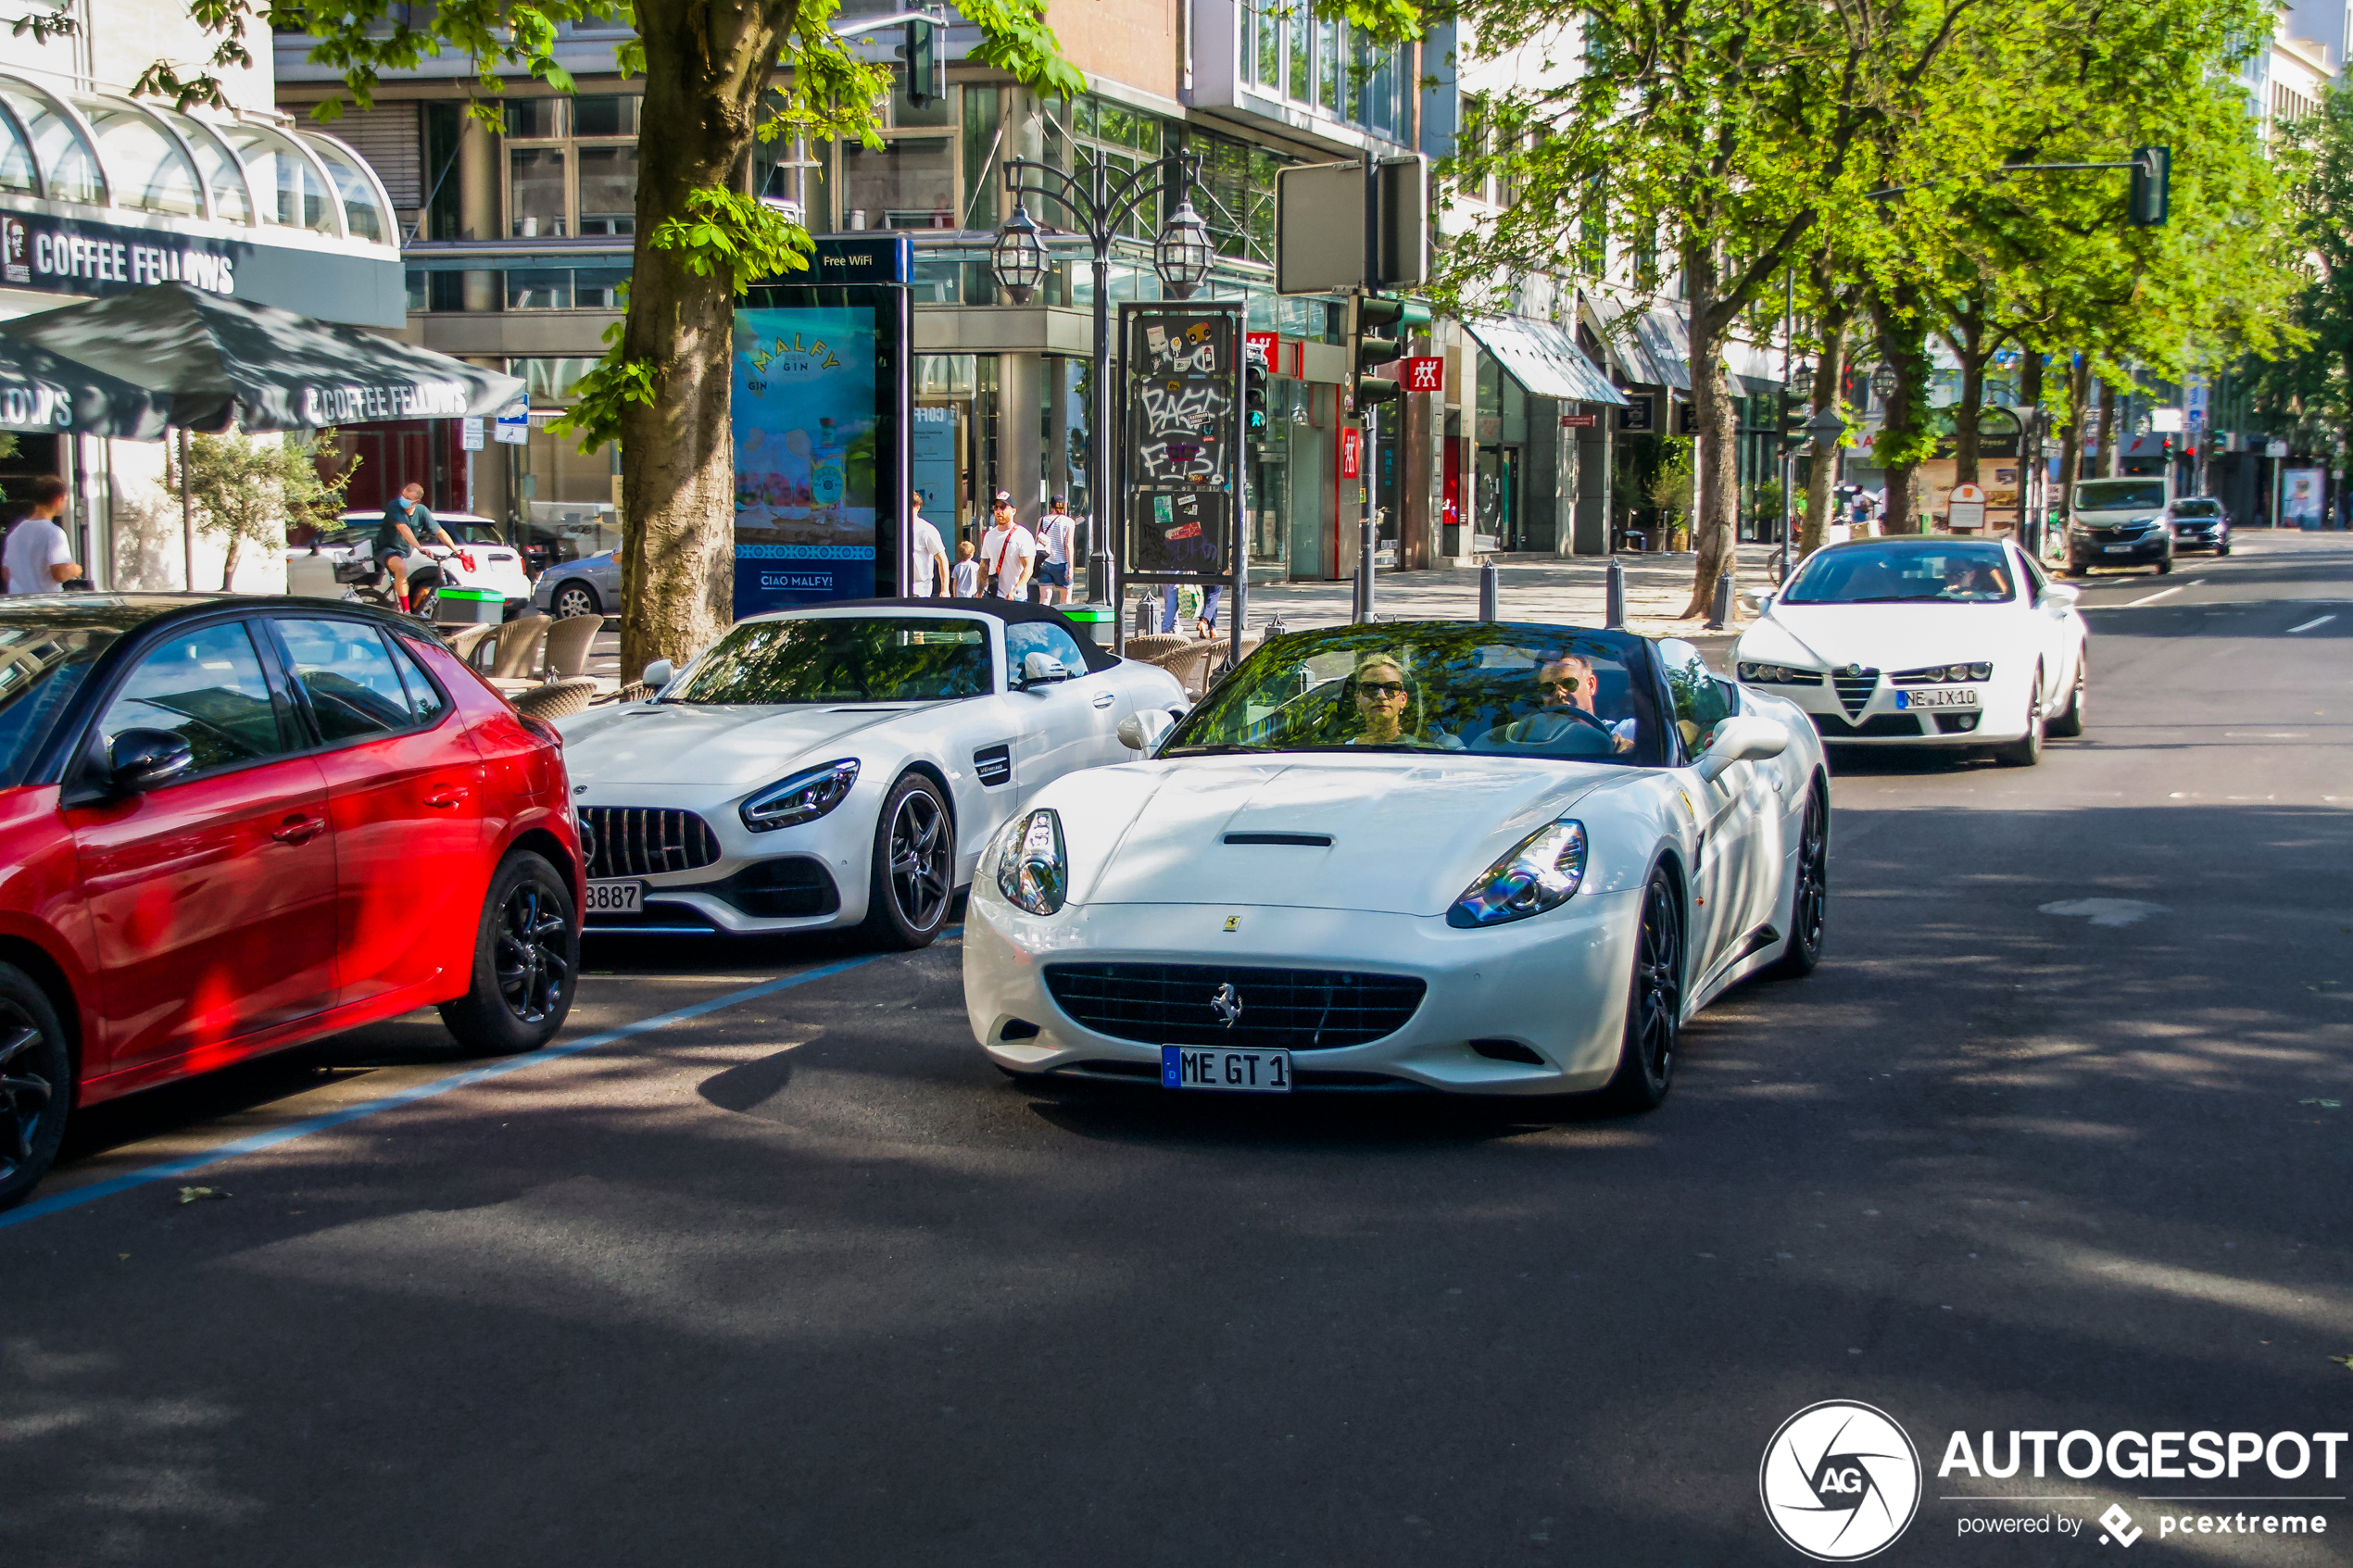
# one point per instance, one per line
(1183, 452)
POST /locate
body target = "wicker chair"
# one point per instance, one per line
(570, 642)
(556, 699)
(515, 650)
(466, 641)
(1190, 663)
(1150, 649)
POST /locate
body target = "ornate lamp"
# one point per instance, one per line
(1018, 257)
(1182, 255)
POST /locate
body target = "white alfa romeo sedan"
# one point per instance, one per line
(1930, 641)
(1484, 859)
(839, 766)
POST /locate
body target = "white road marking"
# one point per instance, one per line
(2106, 911)
(2160, 594)
(2310, 625)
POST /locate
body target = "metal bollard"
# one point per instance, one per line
(1614, 597)
(1489, 587)
(1145, 608)
(1365, 544)
(1720, 611)
(1360, 592)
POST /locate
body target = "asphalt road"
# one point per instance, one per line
(801, 1279)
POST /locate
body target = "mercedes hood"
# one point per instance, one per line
(658, 742)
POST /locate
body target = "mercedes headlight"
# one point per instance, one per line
(803, 797)
(1031, 871)
(1539, 875)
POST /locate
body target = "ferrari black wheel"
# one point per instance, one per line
(1809, 907)
(1654, 1003)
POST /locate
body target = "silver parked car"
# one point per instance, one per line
(589, 586)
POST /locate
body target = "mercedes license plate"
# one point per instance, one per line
(616, 898)
(1938, 696)
(1218, 1067)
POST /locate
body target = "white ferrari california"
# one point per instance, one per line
(1926, 641)
(839, 766)
(1481, 858)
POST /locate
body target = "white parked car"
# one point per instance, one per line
(484, 558)
(1925, 641)
(839, 765)
(1481, 858)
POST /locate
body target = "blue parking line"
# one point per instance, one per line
(39, 1207)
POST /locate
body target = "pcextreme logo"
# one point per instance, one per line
(1841, 1481)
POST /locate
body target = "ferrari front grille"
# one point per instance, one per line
(1298, 1009)
(1855, 688)
(646, 840)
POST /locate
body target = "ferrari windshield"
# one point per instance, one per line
(1906, 572)
(1441, 686)
(842, 658)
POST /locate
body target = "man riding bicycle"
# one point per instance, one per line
(397, 535)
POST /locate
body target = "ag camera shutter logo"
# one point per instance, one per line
(1840, 1481)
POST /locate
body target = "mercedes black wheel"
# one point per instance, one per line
(1653, 1004)
(913, 878)
(526, 961)
(2070, 719)
(575, 598)
(36, 1084)
(2027, 750)
(1809, 907)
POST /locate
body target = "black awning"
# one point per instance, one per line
(41, 394)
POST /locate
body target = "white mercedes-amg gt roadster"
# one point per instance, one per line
(1477, 857)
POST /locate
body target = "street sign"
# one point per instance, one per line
(2275, 449)
(1260, 346)
(1425, 373)
(514, 424)
(1579, 421)
(1351, 452)
(1967, 508)
(470, 433)
(2165, 421)
(1319, 225)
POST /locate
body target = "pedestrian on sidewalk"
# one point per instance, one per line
(1056, 532)
(964, 576)
(931, 573)
(38, 558)
(1007, 552)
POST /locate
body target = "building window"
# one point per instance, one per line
(571, 166)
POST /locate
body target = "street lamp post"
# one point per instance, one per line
(1181, 255)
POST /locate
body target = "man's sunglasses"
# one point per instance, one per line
(1566, 683)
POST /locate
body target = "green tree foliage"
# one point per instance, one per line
(249, 488)
(2311, 381)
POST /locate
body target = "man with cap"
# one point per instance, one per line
(1007, 552)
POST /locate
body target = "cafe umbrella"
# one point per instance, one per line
(219, 363)
(43, 394)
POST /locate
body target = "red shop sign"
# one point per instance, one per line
(1351, 453)
(1579, 421)
(1261, 347)
(1425, 373)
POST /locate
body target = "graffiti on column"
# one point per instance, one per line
(1184, 386)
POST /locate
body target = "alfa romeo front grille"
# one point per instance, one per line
(646, 840)
(1855, 688)
(1300, 1009)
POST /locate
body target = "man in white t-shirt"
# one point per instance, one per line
(1056, 533)
(1007, 552)
(930, 553)
(37, 557)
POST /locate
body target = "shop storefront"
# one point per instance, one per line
(1540, 416)
(103, 194)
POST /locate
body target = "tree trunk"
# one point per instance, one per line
(1712, 403)
(229, 567)
(705, 67)
(2029, 448)
(1903, 343)
(2108, 442)
(2079, 391)
(1828, 372)
(1965, 412)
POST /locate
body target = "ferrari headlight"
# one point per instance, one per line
(1031, 871)
(1539, 875)
(803, 797)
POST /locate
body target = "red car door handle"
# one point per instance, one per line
(443, 798)
(299, 830)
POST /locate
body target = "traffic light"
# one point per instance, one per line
(1371, 342)
(1794, 435)
(2152, 185)
(926, 72)
(1254, 394)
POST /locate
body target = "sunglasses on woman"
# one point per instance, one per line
(1380, 688)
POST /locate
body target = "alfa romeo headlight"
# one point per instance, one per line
(1031, 871)
(1778, 675)
(1541, 875)
(803, 797)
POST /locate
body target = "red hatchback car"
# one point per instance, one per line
(232, 825)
